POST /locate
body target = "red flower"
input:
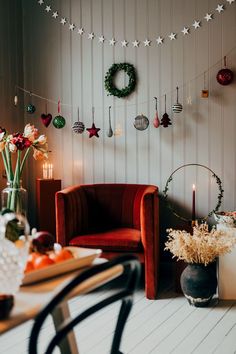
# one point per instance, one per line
(20, 141)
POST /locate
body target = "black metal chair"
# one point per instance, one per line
(130, 266)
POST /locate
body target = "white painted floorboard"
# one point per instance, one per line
(166, 325)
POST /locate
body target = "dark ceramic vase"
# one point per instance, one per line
(199, 283)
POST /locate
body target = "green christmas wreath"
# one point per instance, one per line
(109, 80)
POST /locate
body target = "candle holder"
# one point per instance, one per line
(47, 170)
(194, 220)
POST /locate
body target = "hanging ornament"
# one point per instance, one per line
(156, 121)
(205, 92)
(118, 130)
(15, 100)
(46, 117)
(59, 122)
(110, 131)
(93, 131)
(30, 108)
(141, 122)
(78, 127)
(177, 107)
(225, 76)
(189, 97)
(165, 121)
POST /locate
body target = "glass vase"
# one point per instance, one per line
(14, 249)
(15, 198)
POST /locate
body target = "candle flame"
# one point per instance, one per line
(194, 187)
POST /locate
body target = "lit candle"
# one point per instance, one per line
(45, 171)
(50, 171)
(193, 204)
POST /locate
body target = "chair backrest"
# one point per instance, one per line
(131, 268)
(96, 208)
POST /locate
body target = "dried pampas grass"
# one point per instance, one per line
(203, 246)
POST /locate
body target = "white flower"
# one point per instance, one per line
(31, 132)
(12, 147)
(42, 139)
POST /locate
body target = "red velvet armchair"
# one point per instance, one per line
(118, 218)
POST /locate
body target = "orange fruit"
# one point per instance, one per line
(43, 261)
(61, 255)
(29, 267)
(33, 256)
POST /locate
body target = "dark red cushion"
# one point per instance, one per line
(121, 239)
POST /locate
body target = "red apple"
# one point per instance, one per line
(43, 242)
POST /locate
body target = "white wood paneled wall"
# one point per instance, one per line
(61, 64)
(11, 68)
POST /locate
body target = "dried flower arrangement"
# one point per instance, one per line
(203, 246)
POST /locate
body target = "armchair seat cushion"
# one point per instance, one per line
(121, 239)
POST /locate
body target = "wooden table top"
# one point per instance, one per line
(31, 298)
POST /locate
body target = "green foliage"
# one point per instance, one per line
(109, 80)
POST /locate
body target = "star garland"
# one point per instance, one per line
(109, 80)
(219, 197)
(160, 40)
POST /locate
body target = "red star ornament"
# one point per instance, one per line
(93, 131)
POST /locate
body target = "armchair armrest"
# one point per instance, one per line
(150, 238)
(71, 213)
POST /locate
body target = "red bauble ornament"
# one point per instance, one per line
(225, 76)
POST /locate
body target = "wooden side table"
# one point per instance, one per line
(45, 201)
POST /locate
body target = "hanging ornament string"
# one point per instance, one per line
(165, 121)
(159, 40)
(110, 131)
(205, 92)
(177, 107)
(59, 107)
(46, 117)
(168, 93)
(59, 122)
(78, 127)
(156, 121)
(93, 131)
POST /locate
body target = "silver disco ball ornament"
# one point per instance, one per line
(141, 122)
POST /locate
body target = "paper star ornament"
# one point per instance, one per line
(124, 43)
(160, 40)
(208, 17)
(63, 21)
(220, 8)
(81, 31)
(112, 41)
(185, 30)
(93, 131)
(91, 36)
(71, 26)
(55, 14)
(196, 24)
(135, 43)
(101, 39)
(48, 8)
(172, 36)
(146, 43)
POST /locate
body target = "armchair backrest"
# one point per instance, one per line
(97, 207)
